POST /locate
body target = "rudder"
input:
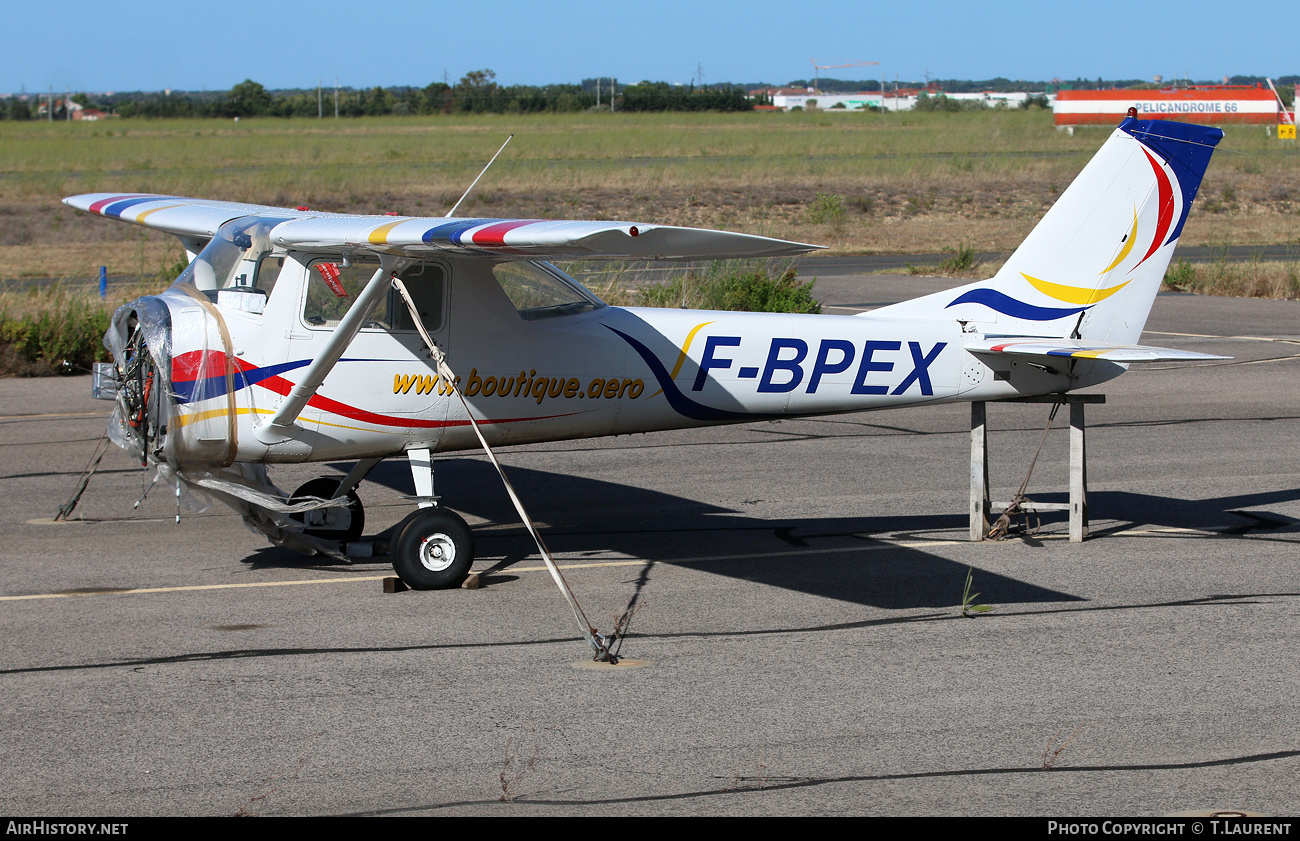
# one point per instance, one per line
(1092, 266)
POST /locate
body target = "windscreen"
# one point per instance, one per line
(233, 259)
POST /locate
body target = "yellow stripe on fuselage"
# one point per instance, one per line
(185, 419)
(196, 417)
(686, 346)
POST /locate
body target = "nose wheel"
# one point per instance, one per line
(434, 550)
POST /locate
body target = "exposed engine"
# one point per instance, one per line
(139, 339)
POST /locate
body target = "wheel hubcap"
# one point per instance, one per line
(437, 552)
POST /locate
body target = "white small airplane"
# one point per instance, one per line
(297, 336)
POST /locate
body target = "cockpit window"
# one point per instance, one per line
(332, 287)
(268, 270)
(539, 290)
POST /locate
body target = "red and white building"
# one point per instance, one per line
(1203, 104)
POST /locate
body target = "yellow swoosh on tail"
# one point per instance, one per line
(1072, 294)
(1128, 245)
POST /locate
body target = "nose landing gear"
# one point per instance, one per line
(434, 550)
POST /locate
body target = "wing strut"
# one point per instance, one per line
(281, 424)
(598, 642)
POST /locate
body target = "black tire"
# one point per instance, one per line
(434, 550)
(342, 524)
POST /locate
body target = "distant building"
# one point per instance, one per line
(66, 109)
(901, 99)
(787, 98)
(1009, 99)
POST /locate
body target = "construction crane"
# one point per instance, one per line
(817, 68)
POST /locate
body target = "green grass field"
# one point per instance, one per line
(859, 183)
(900, 183)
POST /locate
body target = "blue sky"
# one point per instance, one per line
(152, 45)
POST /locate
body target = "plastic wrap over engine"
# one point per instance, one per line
(139, 338)
(249, 491)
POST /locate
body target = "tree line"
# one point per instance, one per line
(476, 93)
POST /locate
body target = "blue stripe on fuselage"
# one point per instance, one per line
(680, 403)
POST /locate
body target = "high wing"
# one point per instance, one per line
(1077, 349)
(193, 218)
(197, 220)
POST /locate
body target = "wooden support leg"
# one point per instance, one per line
(1078, 474)
(979, 471)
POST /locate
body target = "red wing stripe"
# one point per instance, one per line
(496, 234)
(98, 206)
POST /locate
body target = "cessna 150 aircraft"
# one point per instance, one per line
(297, 335)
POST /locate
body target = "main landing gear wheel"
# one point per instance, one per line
(342, 524)
(434, 550)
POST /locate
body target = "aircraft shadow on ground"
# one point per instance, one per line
(816, 556)
(602, 518)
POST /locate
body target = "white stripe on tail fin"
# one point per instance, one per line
(1091, 268)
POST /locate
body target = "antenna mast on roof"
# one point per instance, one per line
(480, 175)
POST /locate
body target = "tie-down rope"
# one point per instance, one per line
(599, 643)
(1003, 524)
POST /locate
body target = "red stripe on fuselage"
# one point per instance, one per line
(192, 365)
(200, 365)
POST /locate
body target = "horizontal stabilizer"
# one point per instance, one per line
(1074, 349)
(422, 237)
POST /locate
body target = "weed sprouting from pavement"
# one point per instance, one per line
(744, 783)
(1050, 755)
(968, 608)
(963, 259)
(514, 769)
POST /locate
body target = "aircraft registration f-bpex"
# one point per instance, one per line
(298, 336)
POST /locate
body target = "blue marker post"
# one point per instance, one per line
(103, 281)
